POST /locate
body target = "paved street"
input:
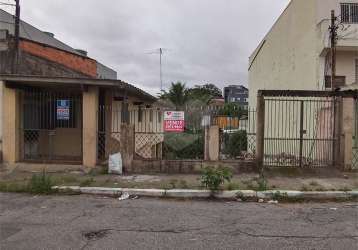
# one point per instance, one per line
(87, 222)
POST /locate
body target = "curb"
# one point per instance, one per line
(200, 194)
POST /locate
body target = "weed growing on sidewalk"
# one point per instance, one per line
(41, 184)
(212, 177)
(87, 182)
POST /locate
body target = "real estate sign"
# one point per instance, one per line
(174, 121)
(63, 110)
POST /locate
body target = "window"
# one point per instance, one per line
(349, 12)
(340, 81)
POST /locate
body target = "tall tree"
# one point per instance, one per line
(178, 95)
(205, 92)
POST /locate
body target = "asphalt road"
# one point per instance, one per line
(87, 222)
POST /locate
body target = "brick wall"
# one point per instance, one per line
(35, 65)
(81, 64)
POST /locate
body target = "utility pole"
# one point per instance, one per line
(333, 32)
(17, 37)
(160, 51)
(160, 66)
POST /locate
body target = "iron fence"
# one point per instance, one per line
(300, 132)
(237, 133)
(49, 121)
(189, 144)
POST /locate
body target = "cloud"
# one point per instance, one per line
(207, 40)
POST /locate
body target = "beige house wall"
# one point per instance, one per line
(287, 58)
(346, 65)
(293, 54)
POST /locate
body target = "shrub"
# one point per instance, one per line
(236, 143)
(41, 184)
(212, 178)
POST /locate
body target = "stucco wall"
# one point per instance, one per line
(346, 65)
(293, 55)
(288, 57)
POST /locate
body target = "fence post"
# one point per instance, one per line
(338, 116)
(127, 146)
(212, 141)
(260, 133)
(348, 127)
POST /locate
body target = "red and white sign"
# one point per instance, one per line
(174, 121)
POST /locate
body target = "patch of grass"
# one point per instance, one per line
(262, 184)
(65, 179)
(173, 183)
(183, 184)
(13, 187)
(87, 182)
(345, 189)
(314, 183)
(279, 196)
(305, 188)
(232, 186)
(41, 184)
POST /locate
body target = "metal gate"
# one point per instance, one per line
(300, 132)
(237, 134)
(51, 126)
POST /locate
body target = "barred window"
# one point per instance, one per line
(349, 12)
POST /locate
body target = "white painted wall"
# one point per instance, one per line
(293, 53)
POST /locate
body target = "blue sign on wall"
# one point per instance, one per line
(63, 110)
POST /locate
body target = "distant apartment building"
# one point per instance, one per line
(295, 54)
(236, 94)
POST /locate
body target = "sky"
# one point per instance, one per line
(205, 41)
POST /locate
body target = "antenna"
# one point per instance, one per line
(160, 51)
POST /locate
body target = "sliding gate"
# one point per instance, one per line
(299, 132)
(51, 126)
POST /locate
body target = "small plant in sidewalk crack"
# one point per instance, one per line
(41, 184)
(212, 177)
(87, 182)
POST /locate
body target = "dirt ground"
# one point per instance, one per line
(283, 179)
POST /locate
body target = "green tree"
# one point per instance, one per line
(204, 92)
(178, 95)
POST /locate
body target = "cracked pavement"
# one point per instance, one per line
(89, 222)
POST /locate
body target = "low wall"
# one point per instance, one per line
(187, 166)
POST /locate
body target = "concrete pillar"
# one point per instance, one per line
(11, 125)
(127, 146)
(90, 123)
(212, 143)
(348, 117)
(260, 133)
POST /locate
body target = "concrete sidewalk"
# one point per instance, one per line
(282, 179)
